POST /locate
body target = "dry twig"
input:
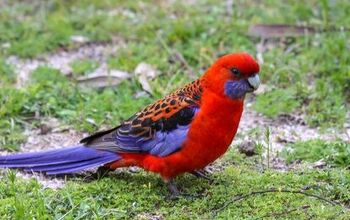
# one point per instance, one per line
(278, 214)
(177, 57)
(244, 196)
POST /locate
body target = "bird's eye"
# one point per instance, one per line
(235, 72)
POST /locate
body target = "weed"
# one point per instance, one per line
(308, 74)
(334, 153)
(83, 67)
(6, 73)
(326, 111)
(276, 102)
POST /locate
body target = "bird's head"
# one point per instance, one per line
(233, 75)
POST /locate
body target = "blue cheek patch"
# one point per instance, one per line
(237, 89)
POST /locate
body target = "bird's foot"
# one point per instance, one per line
(99, 174)
(174, 191)
(102, 172)
(204, 173)
(176, 194)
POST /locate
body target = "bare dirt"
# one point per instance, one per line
(62, 60)
(285, 129)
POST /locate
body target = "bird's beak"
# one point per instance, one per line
(254, 81)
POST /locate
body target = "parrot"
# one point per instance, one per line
(180, 133)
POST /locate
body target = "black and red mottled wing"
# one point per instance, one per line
(159, 129)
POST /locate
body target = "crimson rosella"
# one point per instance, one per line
(183, 132)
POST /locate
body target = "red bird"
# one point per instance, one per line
(183, 132)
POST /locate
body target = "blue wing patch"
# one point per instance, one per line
(160, 138)
(143, 135)
(165, 143)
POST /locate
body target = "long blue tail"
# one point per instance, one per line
(60, 161)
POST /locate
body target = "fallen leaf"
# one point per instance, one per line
(140, 94)
(145, 72)
(102, 78)
(319, 164)
(6, 45)
(279, 30)
(79, 39)
(91, 121)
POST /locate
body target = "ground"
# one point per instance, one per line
(55, 60)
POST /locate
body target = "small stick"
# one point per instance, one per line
(177, 56)
(183, 61)
(241, 197)
(277, 214)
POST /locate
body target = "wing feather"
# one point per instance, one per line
(159, 129)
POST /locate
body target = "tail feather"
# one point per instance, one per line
(59, 161)
(68, 168)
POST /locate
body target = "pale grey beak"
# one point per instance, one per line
(254, 81)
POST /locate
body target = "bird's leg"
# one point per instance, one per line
(175, 193)
(99, 174)
(103, 171)
(202, 174)
(173, 189)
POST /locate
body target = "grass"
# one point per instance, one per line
(143, 196)
(279, 101)
(83, 67)
(334, 153)
(308, 75)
